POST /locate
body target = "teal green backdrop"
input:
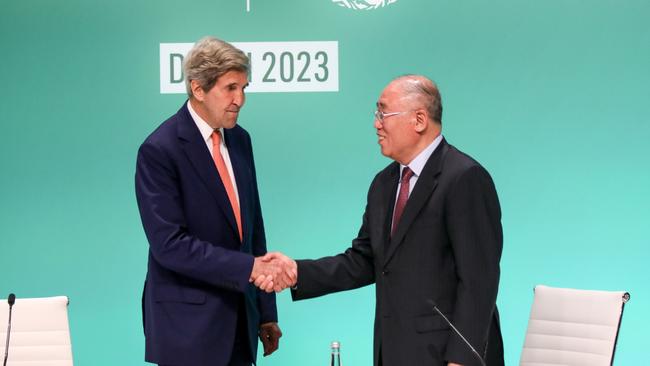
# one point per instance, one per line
(550, 96)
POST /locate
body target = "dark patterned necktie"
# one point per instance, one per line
(402, 197)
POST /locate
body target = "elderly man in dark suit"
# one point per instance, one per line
(198, 199)
(431, 233)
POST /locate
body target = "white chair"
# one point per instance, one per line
(40, 334)
(573, 327)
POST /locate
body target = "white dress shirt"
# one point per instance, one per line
(206, 133)
(416, 165)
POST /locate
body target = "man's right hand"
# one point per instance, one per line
(274, 272)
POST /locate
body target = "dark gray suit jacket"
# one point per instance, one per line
(446, 248)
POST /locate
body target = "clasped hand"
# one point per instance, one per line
(274, 272)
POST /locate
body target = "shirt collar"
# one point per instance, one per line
(417, 164)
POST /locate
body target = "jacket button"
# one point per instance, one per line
(385, 272)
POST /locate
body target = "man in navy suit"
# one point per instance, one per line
(197, 193)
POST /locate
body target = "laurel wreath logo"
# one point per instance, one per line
(363, 4)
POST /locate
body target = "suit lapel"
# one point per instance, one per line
(425, 186)
(200, 159)
(242, 178)
(388, 188)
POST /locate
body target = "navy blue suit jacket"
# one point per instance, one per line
(198, 270)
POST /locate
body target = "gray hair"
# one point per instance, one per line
(209, 59)
(427, 93)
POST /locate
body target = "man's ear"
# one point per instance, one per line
(421, 120)
(197, 90)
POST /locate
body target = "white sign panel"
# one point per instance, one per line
(275, 66)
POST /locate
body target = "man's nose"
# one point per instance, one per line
(239, 99)
(378, 124)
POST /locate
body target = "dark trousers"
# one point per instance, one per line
(241, 354)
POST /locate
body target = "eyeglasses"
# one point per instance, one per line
(380, 116)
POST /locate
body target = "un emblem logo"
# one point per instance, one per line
(363, 4)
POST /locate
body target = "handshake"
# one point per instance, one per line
(274, 272)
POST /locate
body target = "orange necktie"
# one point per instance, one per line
(225, 178)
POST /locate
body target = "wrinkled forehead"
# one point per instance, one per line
(393, 95)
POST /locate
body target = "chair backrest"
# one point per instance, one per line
(573, 327)
(40, 334)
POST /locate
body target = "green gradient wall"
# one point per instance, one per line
(552, 97)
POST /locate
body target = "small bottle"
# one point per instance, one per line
(336, 354)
